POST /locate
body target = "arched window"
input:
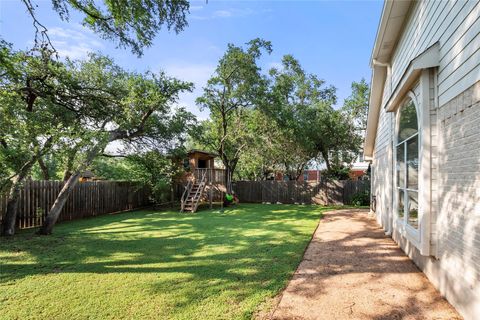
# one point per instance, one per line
(407, 163)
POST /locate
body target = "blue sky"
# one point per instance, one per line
(332, 39)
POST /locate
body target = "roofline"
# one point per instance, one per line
(387, 5)
(202, 151)
(389, 30)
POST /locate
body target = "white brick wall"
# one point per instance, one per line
(459, 185)
(454, 267)
(454, 113)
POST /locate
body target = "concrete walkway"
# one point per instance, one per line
(351, 270)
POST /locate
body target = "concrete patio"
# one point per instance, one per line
(352, 270)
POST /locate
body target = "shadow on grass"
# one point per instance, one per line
(252, 247)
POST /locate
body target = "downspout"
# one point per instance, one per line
(389, 224)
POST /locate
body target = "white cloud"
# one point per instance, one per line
(196, 8)
(196, 73)
(74, 43)
(222, 13)
(230, 13)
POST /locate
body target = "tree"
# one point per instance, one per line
(132, 24)
(137, 111)
(356, 105)
(301, 105)
(236, 86)
(271, 150)
(152, 168)
(156, 170)
(37, 110)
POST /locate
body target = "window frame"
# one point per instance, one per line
(401, 223)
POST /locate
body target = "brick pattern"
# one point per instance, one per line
(454, 266)
(458, 216)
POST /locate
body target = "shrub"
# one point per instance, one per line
(361, 199)
(337, 173)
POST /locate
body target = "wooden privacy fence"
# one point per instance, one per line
(87, 199)
(311, 192)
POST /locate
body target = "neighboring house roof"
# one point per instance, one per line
(213, 154)
(87, 174)
(389, 30)
(360, 166)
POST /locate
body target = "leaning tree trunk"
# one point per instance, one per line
(62, 197)
(70, 159)
(58, 205)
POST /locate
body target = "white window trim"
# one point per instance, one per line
(420, 237)
(401, 223)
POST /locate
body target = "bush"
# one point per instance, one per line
(337, 173)
(361, 199)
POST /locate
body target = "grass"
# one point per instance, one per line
(156, 265)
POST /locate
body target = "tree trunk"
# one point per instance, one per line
(44, 168)
(10, 217)
(58, 205)
(66, 175)
(62, 197)
(69, 166)
(228, 179)
(326, 159)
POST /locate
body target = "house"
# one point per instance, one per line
(202, 180)
(199, 159)
(423, 140)
(359, 168)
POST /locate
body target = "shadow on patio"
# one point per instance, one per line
(351, 270)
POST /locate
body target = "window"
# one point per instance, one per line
(407, 152)
(361, 157)
(202, 164)
(305, 175)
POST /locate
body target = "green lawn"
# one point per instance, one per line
(156, 264)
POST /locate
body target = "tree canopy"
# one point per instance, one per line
(131, 24)
(236, 87)
(280, 121)
(74, 109)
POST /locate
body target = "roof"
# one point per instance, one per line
(213, 154)
(389, 31)
(87, 174)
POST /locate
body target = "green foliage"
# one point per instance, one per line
(155, 170)
(360, 199)
(337, 173)
(38, 100)
(151, 168)
(355, 106)
(260, 125)
(151, 265)
(53, 165)
(236, 87)
(302, 106)
(119, 169)
(81, 106)
(132, 24)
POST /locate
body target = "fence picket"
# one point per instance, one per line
(87, 199)
(317, 192)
